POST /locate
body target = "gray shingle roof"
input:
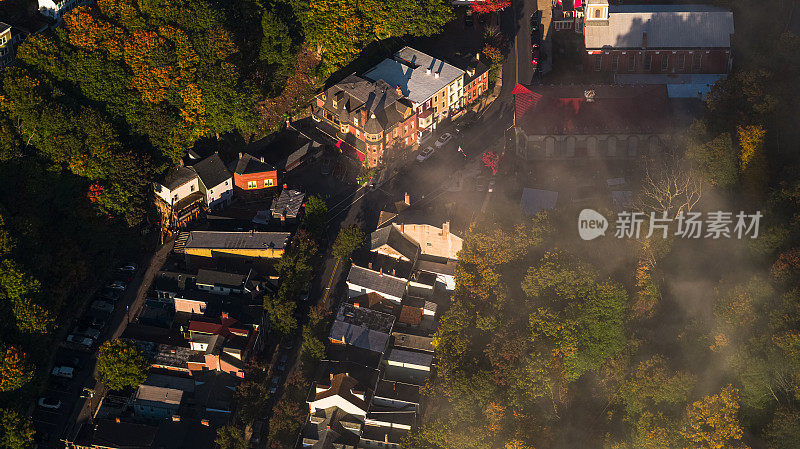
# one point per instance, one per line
(177, 176)
(222, 278)
(248, 164)
(359, 336)
(667, 26)
(373, 280)
(212, 171)
(355, 94)
(390, 235)
(288, 203)
(409, 70)
(238, 240)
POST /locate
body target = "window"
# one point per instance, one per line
(268, 182)
(697, 65)
(355, 121)
(614, 63)
(681, 61)
(226, 182)
(252, 184)
(648, 62)
(631, 62)
(664, 63)
(191, 188)
(211, 192)
(597, 13)
(175, 197)
(598, 62)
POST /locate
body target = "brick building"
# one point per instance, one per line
(657, 39)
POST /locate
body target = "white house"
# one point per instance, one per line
(361, 281)
(55, 9)
(216, 181)
(178, 183)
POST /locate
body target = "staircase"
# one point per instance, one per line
(180, 243)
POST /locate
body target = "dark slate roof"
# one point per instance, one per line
(212, 277)
(473, 67)
(171, 281)
(123, 435)
(288, 203)
(381, 434)
(248, 164)
(359, 336)
(391, 235)
(447, 268)
(373, 280)
(331, 428)
(212, 171)
(177, 176)
(409, 341)
(615, 109)
(399, 391)
(366, 376)
(381, 104)
(237, 240)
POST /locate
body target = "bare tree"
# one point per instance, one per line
(669, 185)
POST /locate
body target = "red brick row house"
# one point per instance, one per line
(657, 39)
(251, 173)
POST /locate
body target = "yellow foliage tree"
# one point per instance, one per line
(711, 423)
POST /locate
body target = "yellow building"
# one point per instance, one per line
(268, 245)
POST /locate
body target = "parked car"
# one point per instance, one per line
(119, 285)
(87, 331)
(128, 267)
(425, 154)
(326, 167)
(93, 322)
(66, 372)
(51, 403)
(443, 140)
(102, 306)
(274, 384)
(111, 293)
(80, 340)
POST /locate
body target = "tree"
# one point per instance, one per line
(230, 437)
(17, 432)
(711, 423)
(490, 6)
(668, 186)
(752, 160)
(316, 211)
(347, 242)
(784, 430)
(280, 314)
(276, 41)
(15, 371)
(31, 317)
(490, 160)
(714, 158)
(121, 364)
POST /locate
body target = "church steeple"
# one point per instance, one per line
(596, 12)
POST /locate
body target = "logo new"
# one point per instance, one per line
(591, 224)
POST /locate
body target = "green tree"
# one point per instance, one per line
(712, 422)
(715, 160)
(316, 212)
(31, 317)
(280, 314)
(276, 41)
(347, 242)
(17, 431)
(121, 364)
(784, 430)
(230, 437)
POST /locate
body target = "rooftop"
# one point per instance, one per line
(248, 164)
(4, 27)
(344, 386)
(359, 336)
(288, 203)
(221, 278)
(446, 268)
(416, 342)
(613, 109)
(399, 391)
(410, 357)
(162, 380)
(152, 393)
(177, 176)
(370, 319)
(171, 281)
(399, 244)
(415, 73)
(212, 171)
(374, 301)
(435, 241)
(667, 26)
(237, 240)
(366, 376)
(109, 433)
(379, 282)
(381, 434)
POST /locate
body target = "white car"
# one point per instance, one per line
(443, 139)
(128, 267)
(81, 340)
(425, 154)
(63, 371)
(103, 306)
(51, 403)
(118, 285)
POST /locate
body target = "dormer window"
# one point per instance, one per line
(355, 120)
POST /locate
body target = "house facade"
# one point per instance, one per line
(590, 122)
(434, 87)
(476, 79)
(178, 197)
(7, 45)
(55, 9)
(657, 39)
(251, 173)
(368, 117)
(216, 182)
(568, 15)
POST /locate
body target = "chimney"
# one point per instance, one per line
(393, 272)
(428, 71)
(224, 315)
(240, 155)
(356, 305)
(329, 427)
(380, 273)
(205, 422)
(477, 56)
(644, 39)
(446, 228)
(262, 158)
(407, 199)
(436, 75)
(370, 265)
(284, 187)
(402, 228)
(399, 91)
(331, 377)
(117, 420)
(386, 438)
